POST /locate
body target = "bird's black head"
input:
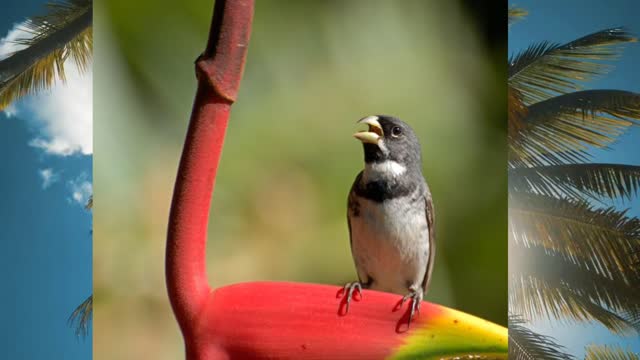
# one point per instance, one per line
(389, 138)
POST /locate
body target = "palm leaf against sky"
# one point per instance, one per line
(83, 313)
(545, 70)
(525, 344)
(564, 290)
(65, 32)
(562, 128)
(595, 352)
(599, 239)
(81, 317)
(546, 127)
(595, 181)
(572, 256)
(516, 14)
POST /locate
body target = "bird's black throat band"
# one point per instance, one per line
(381, 190)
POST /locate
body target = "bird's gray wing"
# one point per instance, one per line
(430, 214)
(352, 205)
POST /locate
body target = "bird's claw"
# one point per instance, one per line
(416, 300)
(349, 289)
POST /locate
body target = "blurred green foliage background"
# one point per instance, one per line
(279, 210)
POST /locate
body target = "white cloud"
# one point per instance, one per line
(8, 47)
(81, 190)
(7, 43)
(65, 111)
(48, 177)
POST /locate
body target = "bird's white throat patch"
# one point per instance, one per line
(387, 168)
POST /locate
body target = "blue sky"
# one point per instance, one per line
(563, 21)
(45, 238)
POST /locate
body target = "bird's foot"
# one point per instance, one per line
(348, 290)
(416, 295)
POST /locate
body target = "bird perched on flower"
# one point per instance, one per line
(390, 214)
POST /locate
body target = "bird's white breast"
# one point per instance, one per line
(390, 241)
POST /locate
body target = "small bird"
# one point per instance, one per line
(390, 214)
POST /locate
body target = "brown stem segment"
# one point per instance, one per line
(219, 71)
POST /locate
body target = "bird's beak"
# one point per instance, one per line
(373, 135)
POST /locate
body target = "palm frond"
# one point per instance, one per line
(517, 112)
(596, 181)
(515, 14)
(562, 272)
(537, 298)
(525, 344)
(64, 33)
(80, 318)
(608, 352)
(603, 240)
(561, 129)
(545, 70)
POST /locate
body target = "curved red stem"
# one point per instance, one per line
(219, 71)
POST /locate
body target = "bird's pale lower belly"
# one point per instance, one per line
(391, 250)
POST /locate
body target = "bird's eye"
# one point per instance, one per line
(396, 131)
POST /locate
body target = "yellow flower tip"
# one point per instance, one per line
(453, 334)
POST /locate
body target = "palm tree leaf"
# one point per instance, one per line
(525, 344)
(535, 297)
(81, 317)
(613, 294)
(608, 352)
(603, 240)
(597, 181)
(562, 128)
(545, 70)
(63, 33)
(517, 112)
(516, 14)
